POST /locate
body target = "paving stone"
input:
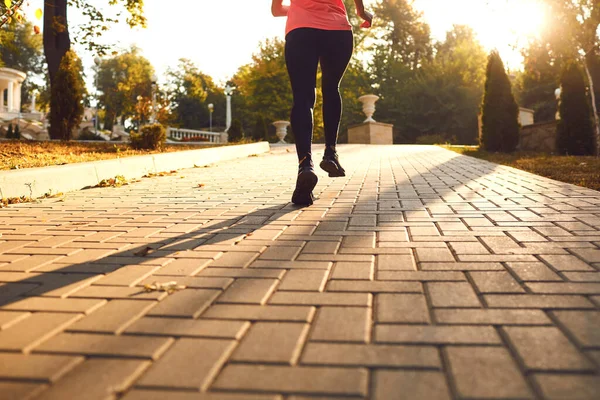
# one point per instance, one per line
(114, 317)
(261, 313)
(537, 301)
(462, 266)
(291, 264)
(342, 324)
(242, 273)
(532, 345)
(421, 334)
(491, 317)
(422, 276)
(583, 325)
(189, 328)
(29, 263)
(410, 385)
(583, 276)
(401, 308)
(249, 291)
(353, 271)
(568, 387)
(234, 260)
(374, 287)
(189, 364)
(369, 355)
(8, 318)
(98, 378)
(566, 263)
(434, 255)
(495, 282)
(564, 288)
(452, 294)
(486, 373)
(184, 267)
(468, 248)
(126, 276)
(33, 330)
(280, 253)
(117, 292)
(20, 390)
(188, 303)
(311, 280)
(33, 367)
(142, 394)
(321, 299)
(308, 380)
(395, 263)
(105, 345)
(534, 272)
(272, 342)
(359, 241)
(589, 255)
(320, 248)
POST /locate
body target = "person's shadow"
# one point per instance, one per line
(228, 232)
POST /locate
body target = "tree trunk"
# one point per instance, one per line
(56, 34)
(56, 43)
(594, 108)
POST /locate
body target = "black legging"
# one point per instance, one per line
(304, 49)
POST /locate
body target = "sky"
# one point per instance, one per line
(219, 36)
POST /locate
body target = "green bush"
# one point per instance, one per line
(151, 137)
(67, 93)
(500, 112)
(236, 131)
(17, 134)
(575, 132)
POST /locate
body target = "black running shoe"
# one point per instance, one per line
(331, 165)
(306, 182)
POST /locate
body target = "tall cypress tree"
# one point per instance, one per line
(500, 112)
(575, 135)
(68, 90)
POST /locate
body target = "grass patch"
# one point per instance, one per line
(578, 170)
(21, 154)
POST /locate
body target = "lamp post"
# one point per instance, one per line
(228, 93)
(211, 108)
(139, 99)
(154, 86)
(97, 61)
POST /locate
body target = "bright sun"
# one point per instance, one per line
(506, 25)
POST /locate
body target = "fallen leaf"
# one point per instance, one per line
(168, 287)
(144, 252)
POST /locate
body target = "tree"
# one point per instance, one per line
(122, 79)
(263, 88)
(578, 22)
(402, 37)
(575, 135)
(68, 91)
(190, 92)
(442, 96)
(539, 80)
(500, 126)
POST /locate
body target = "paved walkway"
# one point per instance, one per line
(422, 275)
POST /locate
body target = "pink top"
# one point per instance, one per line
(320, 14)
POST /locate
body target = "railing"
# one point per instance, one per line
(192, 135)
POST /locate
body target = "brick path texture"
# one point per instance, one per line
(422, 274)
